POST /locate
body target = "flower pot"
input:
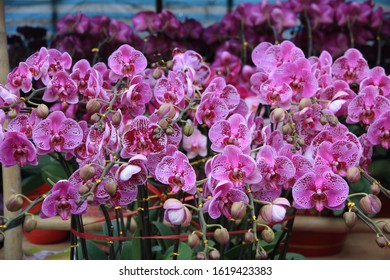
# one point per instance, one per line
(43, 236)
(318, 236)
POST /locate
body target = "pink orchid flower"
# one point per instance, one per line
(320, 190)
(177, 172)
(62, 201)
(169, 90)
(351, 67)
(57, 133)
(20, 78)
(379, 132)
(127, 61)
(17, 149)
(195, 145)
(61, 87)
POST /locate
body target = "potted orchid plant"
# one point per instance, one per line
(189, 159)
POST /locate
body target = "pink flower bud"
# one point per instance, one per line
(29, 224)
(221, 235)
(87, 172)
(268, 235)
(93, 106)
(200, 256)
(249, 237)
(188, 128)
(110, 188)
(287, 130)
(14, 203)
(275, 212)
(350, 219)
(381, 241)
(261, 255)
(42, 111)
(175, 212)
(133, 225)
(353, 174)
(214, 254)
(166, 110)
(238, 210)
(370, 204)
(277, 115)
(12, 113)
(157, 73)
(305, 102)
(83, 189)
(386, 227)
(374, 188)
(116, 118)
(193, 240)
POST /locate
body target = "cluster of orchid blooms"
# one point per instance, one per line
(239, 140)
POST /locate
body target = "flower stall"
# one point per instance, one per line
(202, 142)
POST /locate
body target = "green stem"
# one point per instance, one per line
(203, 225)
(110, 231)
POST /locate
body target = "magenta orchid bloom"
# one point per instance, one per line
(379, 132)
(351, 67)
(61, 87)
(134, 172)
(338, 156)
(211, 109)
(57, 62)
(127, 61)
(38, 63)
(227, 93)
(235, 166)
(233, 131)
(63, 201)
(169, 90)
(140, 138)
(320, 190)
(177, 172)
(195, 145)
(377, 77)
(17, 149)
(20, 78)
(275, 95)
(137, 96)
(275, 170)
(367, 106)
(223, 197)
(57, 133)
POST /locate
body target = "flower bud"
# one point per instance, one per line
(188, 218)
(169, 64)
(275, 212)
(169, 130)
(214, 254)
(221, 235)
(332, 120)
(29, 224)
(238, 210)
(175, 212)
(12, 113)
(166, 110)
(200, 256)
(163, 123)
(157, 73)
(95, 118)
(350, 219)
(116, 119)
(353, 174)
(381, 241)
(286, 129)
(91, 198)
(304, 103)
(249, 237)
(375, 189)
(133, 225)
(261, 255)
(370, 204)
(87, 172)
(188, 128)
(93, 106)
(110, 188)
(83, 189)
(277, 115)
(193, 240)
(386, 227)
(268, 235)
(14, 203)
(42, 111)
(323, 120)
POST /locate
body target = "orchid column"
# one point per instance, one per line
(11, 175)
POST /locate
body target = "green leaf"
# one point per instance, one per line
(54, 172)
(164, 230)
(127, 250)
(379, 168)
(185, 252)
(136, 250)
(94, 252)
(292, 256)
(233, 253)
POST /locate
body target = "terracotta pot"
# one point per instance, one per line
(43, 236)
(317, 236)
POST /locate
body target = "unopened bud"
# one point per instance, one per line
(163, 123)
(375, 189)
(323, 120)
(110, 188)
(238, 210)
(95, 118)
(166, 110)
(386, 227)
(221, 235)
(301, 142)
(277, 115)
(381, 241)
(83, 189)
(12, 113)
(188, 128)
(133, 225)
(286, 129)
(193, 240)
(87, 172)
(91, 198)
(169, 131)
(200, 256)
(370, 204)
(249, 237)
(350, 219)
(14, 203)
(268, 235)
(353, 174)
(93, 106)
(332, 120)
(116, 119)
(169, 64)
(261, 255)
(29, 224)
(304, 103)
(214, 255)
(157, 73)
(42, 111)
